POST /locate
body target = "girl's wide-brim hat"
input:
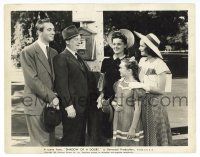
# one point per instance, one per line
(129, 35)
(151, 41)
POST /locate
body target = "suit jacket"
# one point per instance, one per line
(71, 81)
(38, 77)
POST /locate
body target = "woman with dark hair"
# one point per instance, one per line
(127, 126)
(154, 73)
(119, 42)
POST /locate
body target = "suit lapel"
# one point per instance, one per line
(74, 60)
(42, 57)
(84, 64)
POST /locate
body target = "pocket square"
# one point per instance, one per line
(151, 72)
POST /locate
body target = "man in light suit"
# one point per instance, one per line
(36, 61)
(71, 84)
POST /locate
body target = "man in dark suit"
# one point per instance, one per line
(36, 61)
(71, 84)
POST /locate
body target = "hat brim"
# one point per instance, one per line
(129, 35)
(72, 36)
(149, 44)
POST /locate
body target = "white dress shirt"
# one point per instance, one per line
(43, 47)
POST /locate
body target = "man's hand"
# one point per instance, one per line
(71, 111)
(118, 108)
(55, 103)
(114, 104)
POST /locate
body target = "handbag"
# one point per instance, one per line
(50, 118)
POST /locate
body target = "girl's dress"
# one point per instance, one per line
(110, 67)
(127, 94)
(155, 121)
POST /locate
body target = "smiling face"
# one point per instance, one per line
(118, 46)
(48, 32)
(142, 48)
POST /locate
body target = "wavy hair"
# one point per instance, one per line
(119, 35)
(133, 65)
(40, 23)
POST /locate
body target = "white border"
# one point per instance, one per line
(103, 1)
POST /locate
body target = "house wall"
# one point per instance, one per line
(96, 26)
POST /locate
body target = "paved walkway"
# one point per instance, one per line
(177, 114)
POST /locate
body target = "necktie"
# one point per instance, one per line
(79, 60)
(49, 57)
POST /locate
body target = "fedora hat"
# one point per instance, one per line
(129, 35)
(70, 32)
(152, 41)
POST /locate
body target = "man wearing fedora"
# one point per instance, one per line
(71, 84)
(36, 61)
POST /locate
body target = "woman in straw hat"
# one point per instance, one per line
(153, 73)
(119, 41)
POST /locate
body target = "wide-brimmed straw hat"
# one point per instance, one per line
(152, 41)
(129, 35)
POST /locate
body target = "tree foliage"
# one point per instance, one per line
(170, 26)
(23, 30)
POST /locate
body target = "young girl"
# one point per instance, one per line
(119, 41)
(127, 127)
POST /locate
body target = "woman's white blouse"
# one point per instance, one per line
(149, 70)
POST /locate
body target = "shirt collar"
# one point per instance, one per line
(42, 45)
(149, 59)
(115, 57)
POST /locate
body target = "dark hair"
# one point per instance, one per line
(150, 52)
(133, 65)
(119, 35)
(40, 23)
